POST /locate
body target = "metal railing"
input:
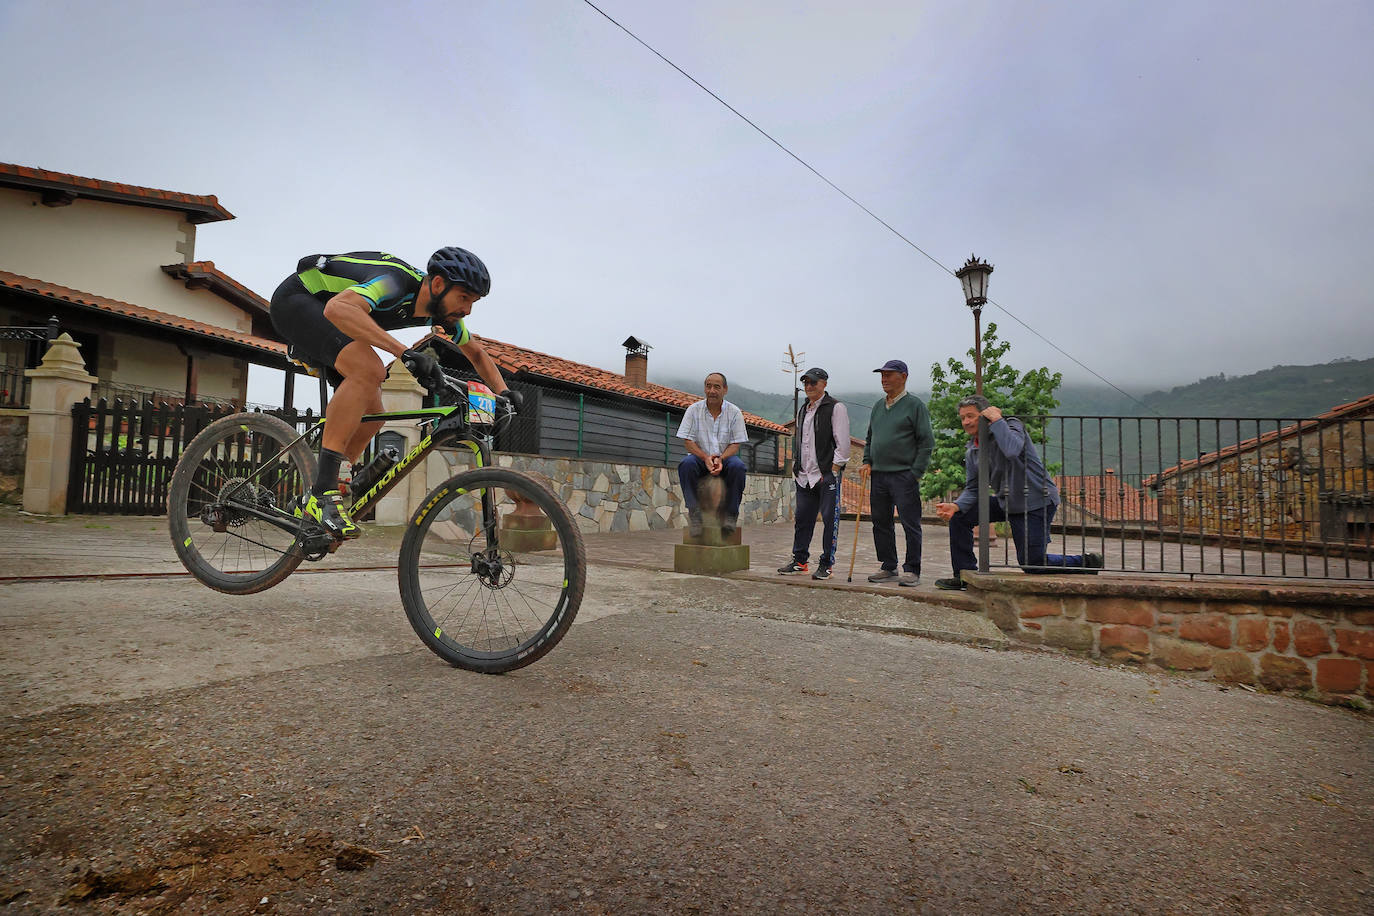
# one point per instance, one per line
(111, 391)
(15, 359)
(1209, 496)
(14, 386)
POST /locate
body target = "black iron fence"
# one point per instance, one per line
(131, 448)
(21, 348)
(1206, 496)
(14, 386)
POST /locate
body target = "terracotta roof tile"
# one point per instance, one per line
(1107, 497)
(138, 313)
(518, 359)
(205, 273)
(200, 208)
(1357, 406)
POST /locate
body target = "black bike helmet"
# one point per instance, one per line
(459, 265)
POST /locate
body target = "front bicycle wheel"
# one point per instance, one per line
(231, 502)
(492, 570)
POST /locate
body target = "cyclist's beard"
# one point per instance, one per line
(437, 316)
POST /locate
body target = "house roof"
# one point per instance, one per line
(513, 359)
(59, 189)
(1364, 405)
(205, 275)
(141, 314)
(1107, 497)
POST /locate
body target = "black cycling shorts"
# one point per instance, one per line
(314, 340)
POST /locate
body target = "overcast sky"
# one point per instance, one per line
(1167, 189)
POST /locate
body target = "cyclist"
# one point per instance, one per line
(337, 307)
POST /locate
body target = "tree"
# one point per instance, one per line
(1029, 396)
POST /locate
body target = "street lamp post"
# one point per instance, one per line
(974, 276)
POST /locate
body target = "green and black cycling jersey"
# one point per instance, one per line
(385, 281)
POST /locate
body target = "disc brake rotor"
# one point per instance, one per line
(494, 568)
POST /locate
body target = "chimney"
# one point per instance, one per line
(636, 362)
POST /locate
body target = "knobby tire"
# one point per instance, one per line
(484, 607)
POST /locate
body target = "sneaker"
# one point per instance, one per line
(728, 526)
(822, 572)
(909, 579)
(952, 584)
(1092, 562)
(883, 575)
(793, 567)
(329, 511)
(694, 522)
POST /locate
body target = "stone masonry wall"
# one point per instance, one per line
(14, 437)
(627, 497)
(1291, 638)
(1271, 490)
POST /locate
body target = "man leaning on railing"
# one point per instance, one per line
(1023, 495)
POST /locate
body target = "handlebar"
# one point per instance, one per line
(454, 391)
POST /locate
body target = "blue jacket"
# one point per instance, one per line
(1015, 472)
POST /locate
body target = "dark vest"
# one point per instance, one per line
(825, 435)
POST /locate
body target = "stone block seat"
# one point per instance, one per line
(525, 527)
(712, 552)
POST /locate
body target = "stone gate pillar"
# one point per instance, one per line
(400, 391)
(59, 382)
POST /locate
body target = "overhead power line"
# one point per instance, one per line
(847, 196)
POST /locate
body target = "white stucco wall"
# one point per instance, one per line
(112, 250)
(156, 364)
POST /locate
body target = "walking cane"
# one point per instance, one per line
(858, 514)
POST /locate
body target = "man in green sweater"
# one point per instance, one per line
(896, 454)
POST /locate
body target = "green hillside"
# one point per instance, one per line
(1283, 391)
(1216, 411)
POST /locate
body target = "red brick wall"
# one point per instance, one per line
(1292, 638)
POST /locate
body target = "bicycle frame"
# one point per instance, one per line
(450, 427)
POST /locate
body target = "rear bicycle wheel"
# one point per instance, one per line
(232, 476)
(492, 597)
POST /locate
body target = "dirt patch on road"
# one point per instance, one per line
(222, 869)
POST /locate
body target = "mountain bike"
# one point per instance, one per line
(492, 566)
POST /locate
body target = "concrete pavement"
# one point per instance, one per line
(110, 545)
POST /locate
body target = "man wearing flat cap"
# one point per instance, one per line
(896, 454)
(822, 450)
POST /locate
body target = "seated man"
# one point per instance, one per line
(1023, 495)
(713, 429)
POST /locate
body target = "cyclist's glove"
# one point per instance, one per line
(425, 368)
(514, 399)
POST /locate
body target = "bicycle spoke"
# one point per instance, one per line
(237, 472)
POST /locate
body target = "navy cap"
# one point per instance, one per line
(816, 373)
(893, 365)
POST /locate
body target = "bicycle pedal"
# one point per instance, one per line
(314, 540)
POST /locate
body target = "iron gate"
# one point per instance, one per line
(131, 449)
